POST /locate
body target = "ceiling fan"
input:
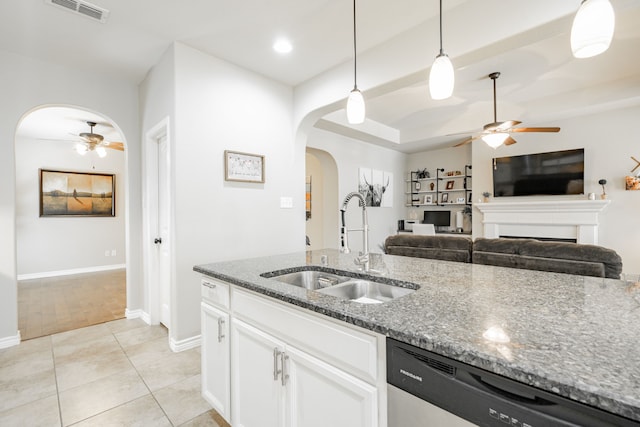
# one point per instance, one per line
(498, 133)
(96, 142)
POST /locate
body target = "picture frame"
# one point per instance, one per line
(460, 200)
(428, 199)
(76, 194)
(450, 185)
(244, 167)
(444, 198)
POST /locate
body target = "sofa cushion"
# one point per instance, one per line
(502, 245)
(581, 268)
(448, 248)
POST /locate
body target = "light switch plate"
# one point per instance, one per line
(286, 202)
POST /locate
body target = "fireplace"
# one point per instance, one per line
(563, 220)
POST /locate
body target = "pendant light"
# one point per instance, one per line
(355, 102)
(592, 28)
(441, 76)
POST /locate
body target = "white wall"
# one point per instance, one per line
(449, 159)
(350, 155)
(219, 106)
(54, 244)
(609, 139)
(26, 84)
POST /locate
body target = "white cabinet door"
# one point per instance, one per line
(256, 375)
(320, 395)
(215, 359)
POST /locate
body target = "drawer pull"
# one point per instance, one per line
(209, 285)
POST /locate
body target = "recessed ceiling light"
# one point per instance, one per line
(282, 46)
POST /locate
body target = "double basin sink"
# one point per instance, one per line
(365, 290)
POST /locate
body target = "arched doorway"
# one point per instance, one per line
(322, 178)
(71, 263)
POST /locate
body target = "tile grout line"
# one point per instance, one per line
(55, 376)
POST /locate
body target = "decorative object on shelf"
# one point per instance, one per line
(441, 77)
(450, 185)
(445, 198)
(243, 167)
(460, 200)
(592, 28)
(77, 193)
(428, 199)
(418, 186)
(423, 174)
(591, 196)
(355, 102)
(376, 187)
(431, 185)
(632, 183)
(603, 182)
(459, 221)
(485, 196)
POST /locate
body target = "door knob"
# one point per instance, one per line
(157, 240)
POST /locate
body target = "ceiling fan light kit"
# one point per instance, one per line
(592, 28)
(441, 76)
(494, 140)
(356, 109)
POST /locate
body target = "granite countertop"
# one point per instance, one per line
(575, 336)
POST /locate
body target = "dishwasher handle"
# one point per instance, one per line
(509, 390)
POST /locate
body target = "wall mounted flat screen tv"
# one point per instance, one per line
(437, 218)
(554, 173)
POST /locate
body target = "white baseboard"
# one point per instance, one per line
(71, 272)
(11, 341)
(138, 314)
(186, 344)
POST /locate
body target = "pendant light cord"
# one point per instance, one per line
(441, 52)
(355, 60)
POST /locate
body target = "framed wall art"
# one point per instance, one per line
(65, 193)
(243, 167)
(450, 184)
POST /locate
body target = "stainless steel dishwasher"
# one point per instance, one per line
(426, 389)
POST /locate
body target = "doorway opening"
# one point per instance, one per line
(322, 188)
(71, 261)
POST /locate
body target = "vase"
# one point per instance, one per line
(603, 196)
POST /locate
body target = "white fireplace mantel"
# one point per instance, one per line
(563, 219)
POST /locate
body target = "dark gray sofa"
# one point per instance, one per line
(558, 257)
(530, 254)
(444, 247)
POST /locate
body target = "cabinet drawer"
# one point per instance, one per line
(351, 350)
(215, 292)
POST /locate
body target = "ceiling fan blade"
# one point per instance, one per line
(508, 124)
(470, 132)
(468, 140)
(509, 141)
(542, 129)
(115, 146)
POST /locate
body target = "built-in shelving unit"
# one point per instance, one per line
(447, 188)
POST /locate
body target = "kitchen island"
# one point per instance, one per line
(574, 336)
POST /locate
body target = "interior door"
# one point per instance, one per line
(163, 238)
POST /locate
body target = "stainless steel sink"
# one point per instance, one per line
(366, 292)
(311, 279)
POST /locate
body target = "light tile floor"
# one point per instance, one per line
(120, 373)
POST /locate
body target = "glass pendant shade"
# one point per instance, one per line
(441, 77)
(355, 107)
(81, 149)
(101, 151)
(494, 140)
(592, 28)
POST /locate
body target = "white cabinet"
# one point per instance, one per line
(256, 376)
(216, 381)
(320, 395)
(281, 366)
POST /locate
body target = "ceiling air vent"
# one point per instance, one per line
(82, 8)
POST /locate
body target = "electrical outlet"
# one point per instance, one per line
(113, 252)
(106, 253)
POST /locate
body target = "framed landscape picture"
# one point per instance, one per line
(77, 193)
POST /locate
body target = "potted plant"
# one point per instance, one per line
(604, 192)
(486, 196)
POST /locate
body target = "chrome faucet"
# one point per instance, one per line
(363, 258)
